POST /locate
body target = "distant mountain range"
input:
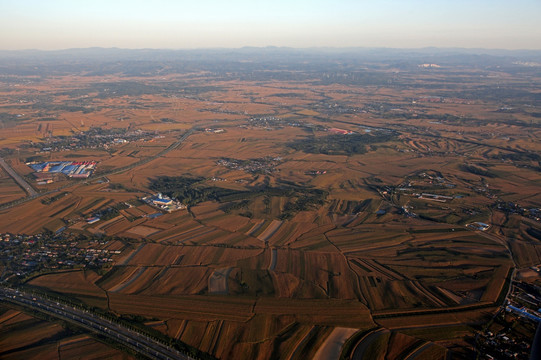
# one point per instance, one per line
(169, 54)
(248, 60)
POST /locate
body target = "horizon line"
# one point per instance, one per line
(273, 47)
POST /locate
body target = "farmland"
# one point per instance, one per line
(32, 338)
(319, 207)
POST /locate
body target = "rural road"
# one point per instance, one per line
(18, 178)
(138, 342)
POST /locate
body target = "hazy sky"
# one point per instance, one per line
(60, 24)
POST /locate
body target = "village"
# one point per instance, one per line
(22, 256)
(264, 165)
(509, 335)
(93, 138)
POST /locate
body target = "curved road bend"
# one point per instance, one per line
(136, 341)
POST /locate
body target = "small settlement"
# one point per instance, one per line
(25, 255)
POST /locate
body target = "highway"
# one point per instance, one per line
(22, 183)
(138, 342)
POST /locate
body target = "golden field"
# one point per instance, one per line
(264, 269)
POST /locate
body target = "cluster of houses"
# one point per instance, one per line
(22, 255)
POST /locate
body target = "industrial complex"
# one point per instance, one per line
(72, 169)
(163, 202)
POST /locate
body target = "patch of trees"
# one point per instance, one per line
(97, 130)
(168, 120)
(304, 201)
(68, 108)
(134, 88)
(477, 170)
(235, 205)
(111, 212)
(500, 93)
(189, 190)
(49, 200)
(340, 144)
(288, 95)
(522, 156)
(444, 118)
(195, 90)
(123, 88)
(355, 78)
(7, 151)
(8, 120)
(349, 207)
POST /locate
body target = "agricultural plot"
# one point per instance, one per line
(332, 347)
(20, 337)
(81, 345)
(77, 282)
(24, 336)
(396, 345)
(9, 190)
(165, 281)
(319, 203)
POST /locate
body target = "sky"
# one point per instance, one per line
(180, 24)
